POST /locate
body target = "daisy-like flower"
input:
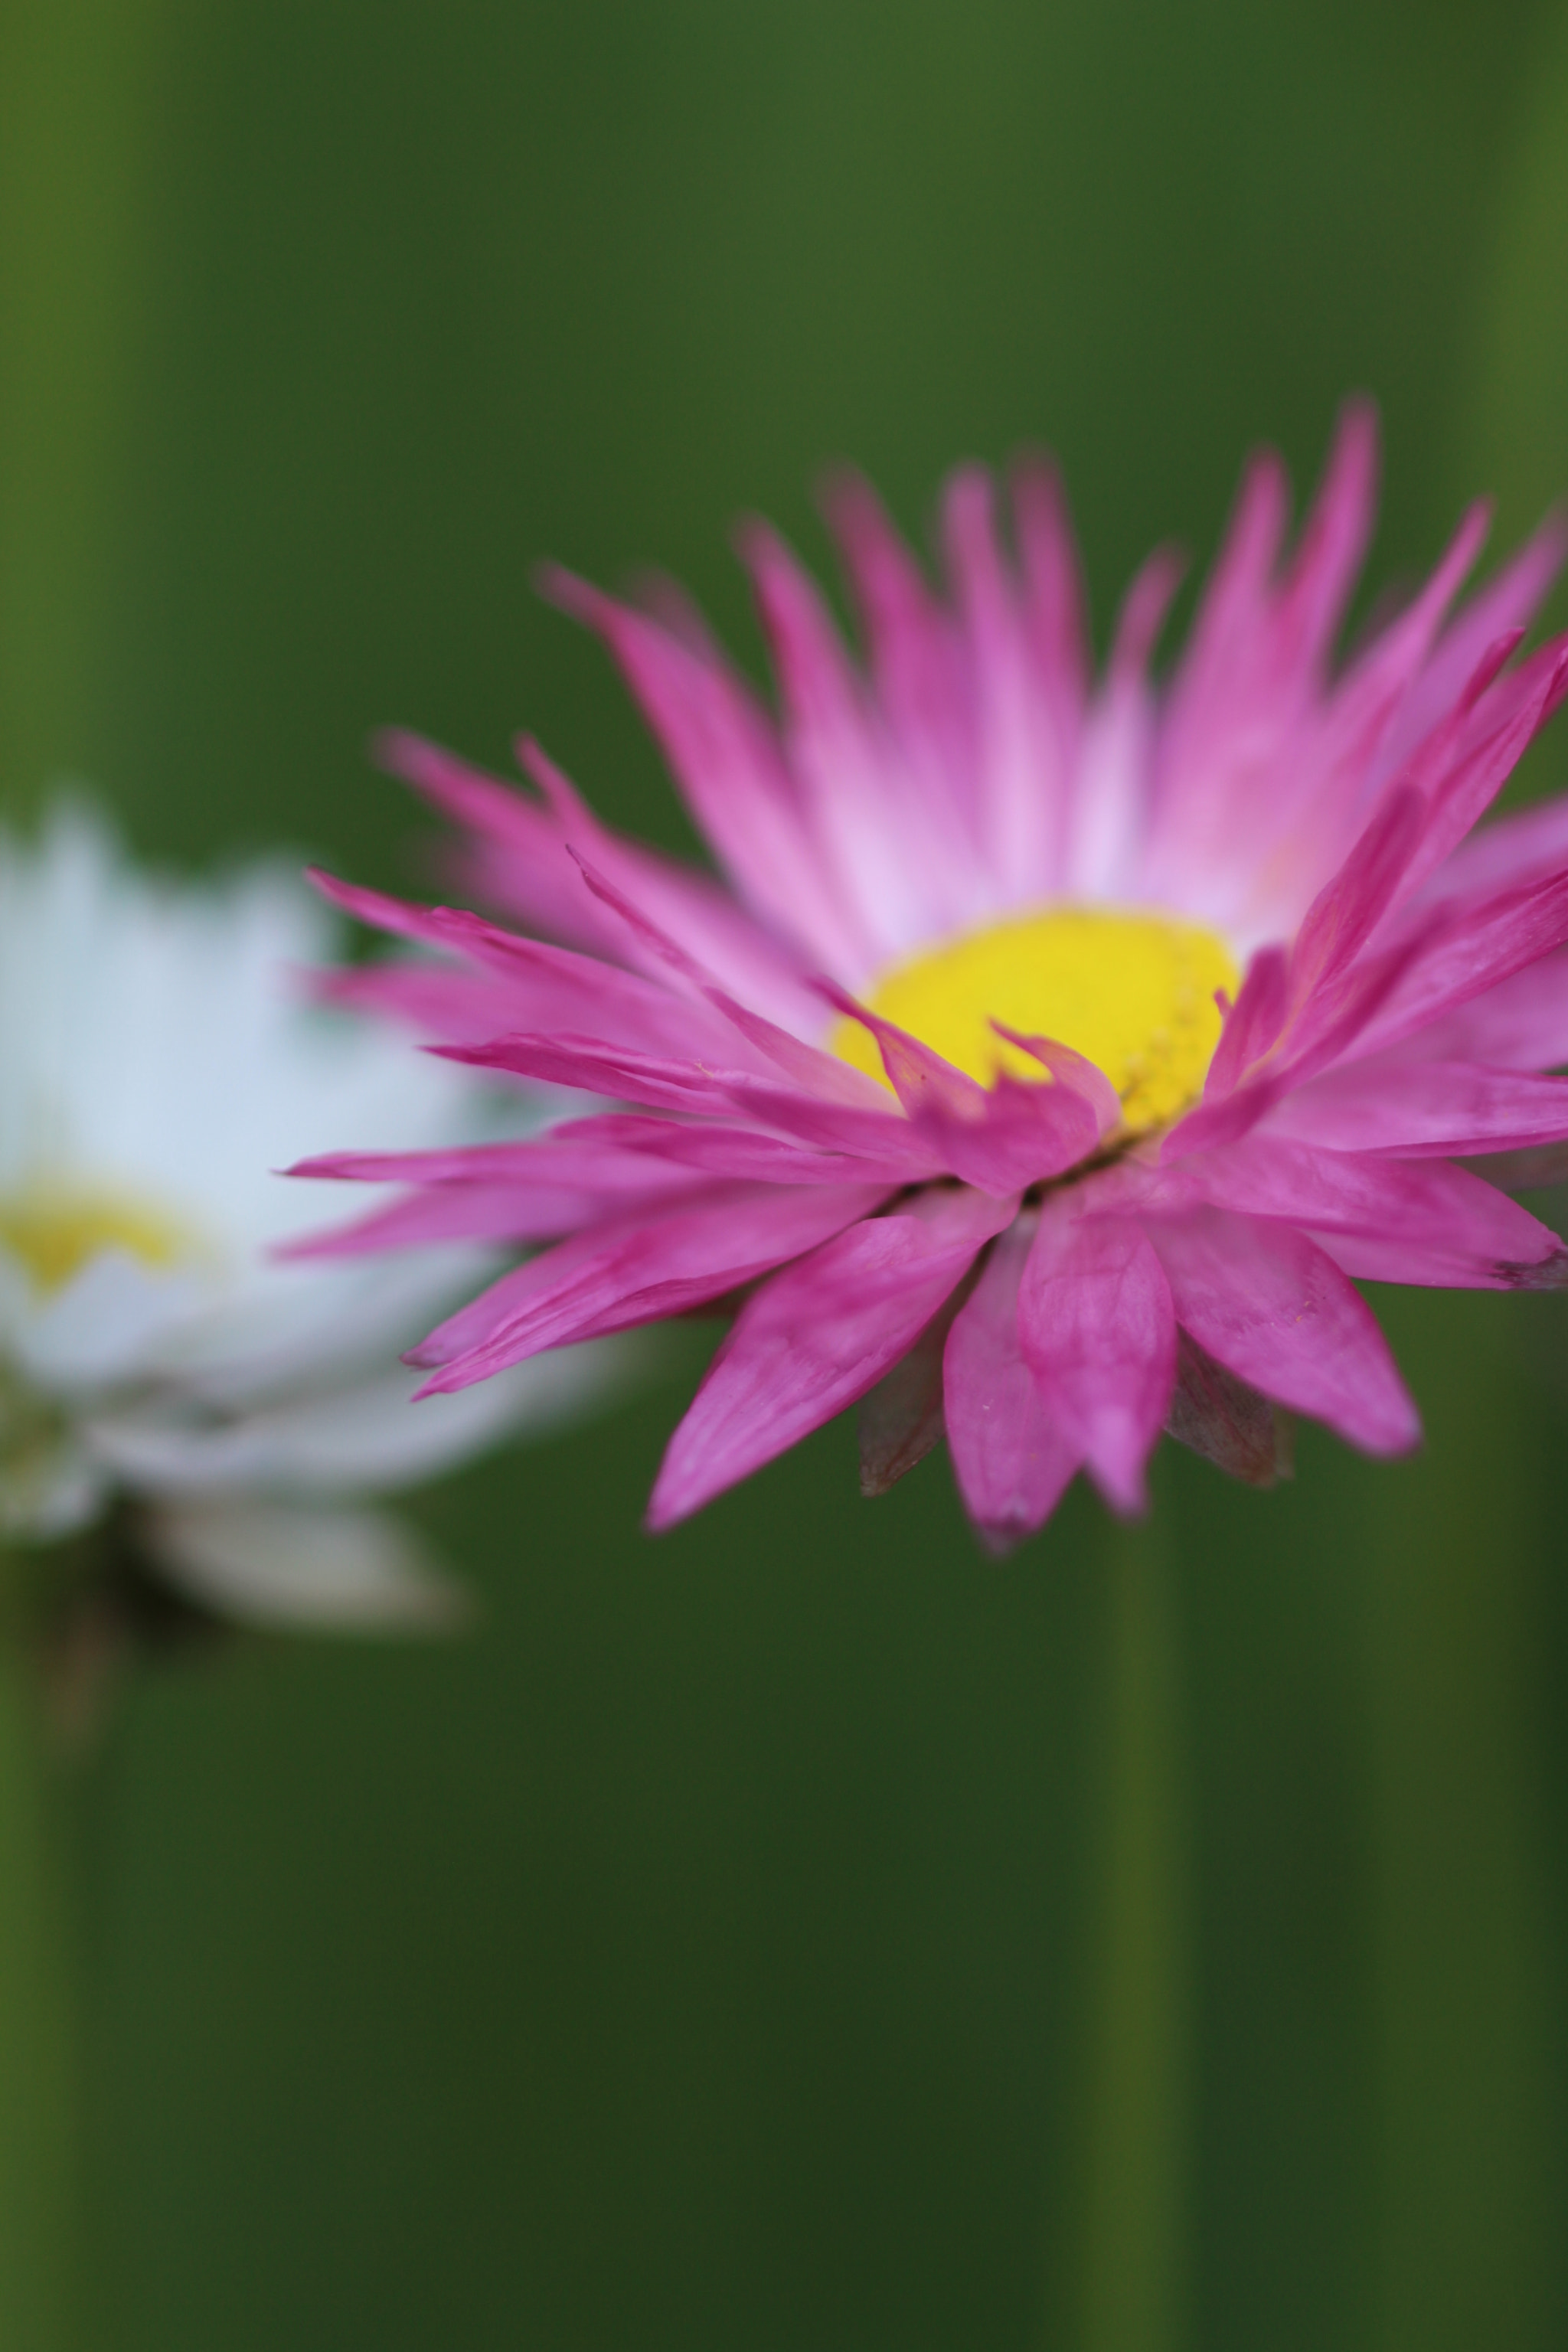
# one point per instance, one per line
(167, 1388)
(1054, 1055)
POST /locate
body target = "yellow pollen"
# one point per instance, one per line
(57, 1231)
(1133, 992)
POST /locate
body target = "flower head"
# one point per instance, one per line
(157, 1360)
(1053, 1053)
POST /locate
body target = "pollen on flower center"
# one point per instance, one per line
(55, 1231)
(1133, 992)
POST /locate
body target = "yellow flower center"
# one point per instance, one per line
(55, 1231)
(1133, 992)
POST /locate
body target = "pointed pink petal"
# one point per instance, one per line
(1522, 1024)
(1484, 754)
(684, 904)
(818, 1072)
(1053, 592)
(741, 1153)
(608, 1156)
(637, 1268)
(1347, 910)
(1446, 1214)
(1022, 776)
(568, 1060)
(523, 863)
(1097, 1328)
(726, 760)
(1110, 801)
(921, 687)
(1272, 1308)
(872, 835)
(1424, 1108)
(1509, 853)
(452, 1213)
(1011, 1459)
(1509, 602)
(1252, 1025)
(815, 1338)
(1072, 1070)
(445, 1001)
(1468, 950)
(545, 987)
(1333, 540)
(1000, 1139)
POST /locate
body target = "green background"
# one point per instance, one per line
(795, 1933)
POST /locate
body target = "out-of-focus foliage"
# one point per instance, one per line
(1517, 365)
(797, 1932)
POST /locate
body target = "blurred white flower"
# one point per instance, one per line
(158, 1062)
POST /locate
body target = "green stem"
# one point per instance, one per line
(77, 80)
(39, 2086)
(1467, 2230)
(1134, 2227)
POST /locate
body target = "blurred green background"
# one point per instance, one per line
(794, 1934)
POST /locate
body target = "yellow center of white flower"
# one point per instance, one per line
(56, 1230)
(1132, 993)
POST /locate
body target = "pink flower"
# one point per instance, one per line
(1051, 1056)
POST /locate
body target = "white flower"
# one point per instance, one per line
(158, 1062)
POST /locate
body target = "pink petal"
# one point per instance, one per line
(815, 1338)
(1531, 847)
(1333, 540)
(1000, 1139)
(1010, 1458)
(1423, 1109)
(1252, 1025)
(1053, 598)
(1444, 1214)
(1488, 741)
(1271, 1307)
(435, 1001)
(1521, 1024)
(726, 760)
(1072, 1070)
(1508, 602)
(546, 987)
(603, 1154)
(870, 833)
(1096, 1329)
(884, 1137)
(1347, 910)
(524, 865)
(684, 904)
(1109, 805)
(452, 1213)
(636, 1268)
(596, 1069)
(921, 687)
(1022, 778)
(1469, 950)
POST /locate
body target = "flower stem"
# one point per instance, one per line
(39, 2086)
(1468, 1552)
(1136, 2170)
(77, 85)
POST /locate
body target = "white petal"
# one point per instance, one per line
(102, 1326)
(367, 1437)
(295, 1564)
